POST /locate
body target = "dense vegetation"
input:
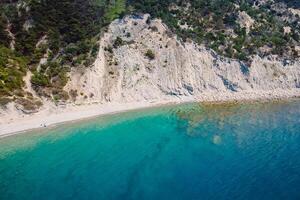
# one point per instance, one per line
(291, 3)
(62, 32)
(216, 24)
(12, 70)
(65, 33)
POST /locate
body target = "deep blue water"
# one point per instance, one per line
(249, 151)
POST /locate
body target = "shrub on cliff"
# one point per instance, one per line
(150, 54)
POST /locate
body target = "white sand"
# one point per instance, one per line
(12, 123)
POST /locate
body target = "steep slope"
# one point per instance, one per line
(198, 47)
(142, 63)
(53, 36)
(125, 72)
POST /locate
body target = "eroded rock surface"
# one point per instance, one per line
(123, 73)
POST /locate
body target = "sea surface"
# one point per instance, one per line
(191, 151)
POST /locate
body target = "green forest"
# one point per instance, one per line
(67, 31)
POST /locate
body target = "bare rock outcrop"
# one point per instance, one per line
(123, 72)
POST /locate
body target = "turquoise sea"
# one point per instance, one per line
(191, 151)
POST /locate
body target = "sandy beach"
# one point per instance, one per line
(13, 123)
(189, 73)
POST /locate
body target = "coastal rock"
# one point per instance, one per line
(178, 69)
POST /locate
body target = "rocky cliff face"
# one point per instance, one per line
(141, 60)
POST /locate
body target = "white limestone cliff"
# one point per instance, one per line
(179, 69)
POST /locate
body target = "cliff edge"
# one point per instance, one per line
(141, 60)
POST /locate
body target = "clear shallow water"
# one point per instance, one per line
(183, 152)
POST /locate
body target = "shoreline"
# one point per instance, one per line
(13, 125)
